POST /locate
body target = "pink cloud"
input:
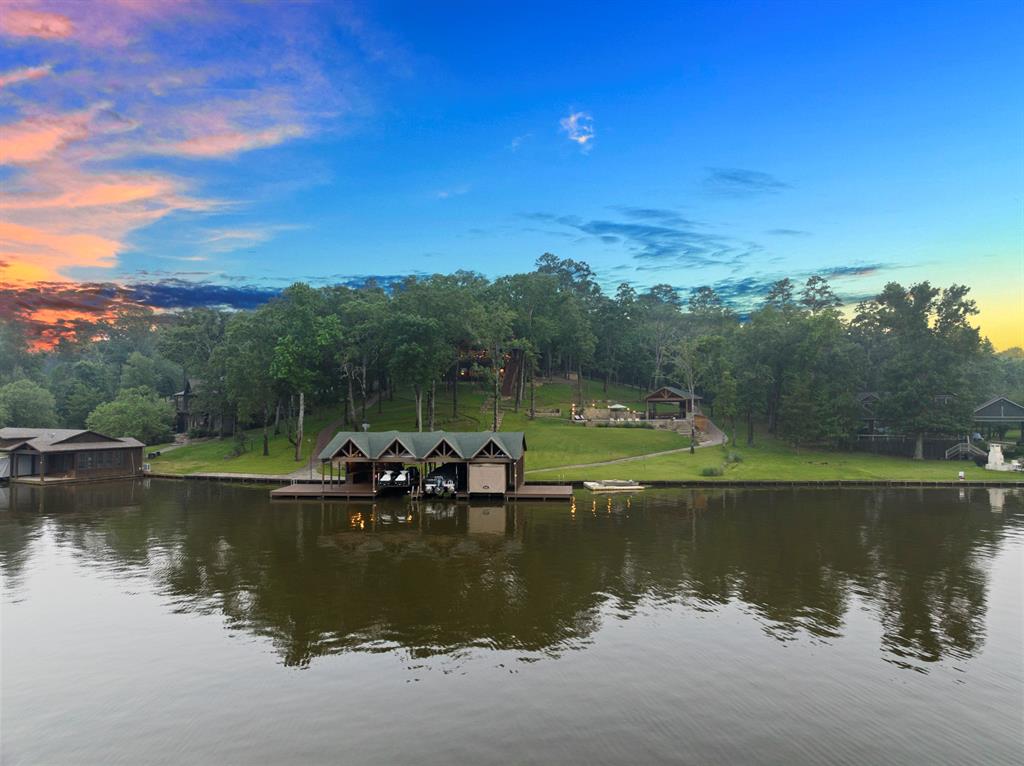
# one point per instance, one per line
(231, 142)
(23, 74)
(34, 138)
(31, 23)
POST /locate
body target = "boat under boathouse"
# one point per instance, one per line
(357, 464)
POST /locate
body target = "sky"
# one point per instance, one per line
(174, 154)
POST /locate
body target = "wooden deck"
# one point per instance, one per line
(318, 491)
(541, 492)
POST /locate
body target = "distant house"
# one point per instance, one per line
(187, 417)
(61, 454)
(869, 402)
(1000, 413)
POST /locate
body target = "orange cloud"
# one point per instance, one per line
(34, 138)
(23, 74)
(232, 142)
(29, 23)
(31, 254)
(113, 192)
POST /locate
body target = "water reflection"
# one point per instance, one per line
(440, 577)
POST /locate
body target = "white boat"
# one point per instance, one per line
(613, 485)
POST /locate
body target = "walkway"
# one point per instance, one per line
(716, 437)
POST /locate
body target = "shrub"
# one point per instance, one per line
(711, 470)
(734, 457)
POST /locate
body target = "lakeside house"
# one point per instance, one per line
(38, 455)
(190, 419)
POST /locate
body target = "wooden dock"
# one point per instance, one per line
(336, 491)
(541, 492)
(318, 491)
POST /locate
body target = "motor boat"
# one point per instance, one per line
(613, 485)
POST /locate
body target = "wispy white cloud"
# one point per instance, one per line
(24, 74)
(579, 128)
(516, 142)
(455, 191)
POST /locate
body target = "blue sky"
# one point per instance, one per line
(689, 143)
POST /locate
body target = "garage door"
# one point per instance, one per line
(486, 479)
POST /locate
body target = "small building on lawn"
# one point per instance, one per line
(39, 455)
(684, 404)
(1000, 413)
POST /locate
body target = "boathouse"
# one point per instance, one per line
(479, 462)
(39, 455)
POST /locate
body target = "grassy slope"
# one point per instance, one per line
(556, 442)
(215, 455)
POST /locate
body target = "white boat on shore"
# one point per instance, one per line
(613, 485)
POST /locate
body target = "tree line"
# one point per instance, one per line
(796, 363)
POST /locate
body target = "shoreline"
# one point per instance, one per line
(655, 484)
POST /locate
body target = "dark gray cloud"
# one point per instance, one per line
(660, 246)
(738, 182)
(855, 270)
(663, 216)
(788, 233)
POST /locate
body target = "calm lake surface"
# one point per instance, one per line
(192, 623)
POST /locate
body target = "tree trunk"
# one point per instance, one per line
(533, 394)
(433, 399)
(919, 447)
(266, 426)
(363, 389)
(750, 428)
(351, 401)
(298, 429)
(277, 419)
(455, 387)
(419, 406)
(497, 388)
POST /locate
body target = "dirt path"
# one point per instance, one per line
(715, 438)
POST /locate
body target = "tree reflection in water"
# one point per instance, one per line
(441, 578)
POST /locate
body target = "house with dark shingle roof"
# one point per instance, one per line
(65, 454)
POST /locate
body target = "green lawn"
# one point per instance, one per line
(554, 442)
(771, 460)
(215, 455)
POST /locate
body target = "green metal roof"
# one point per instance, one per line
(419, 444)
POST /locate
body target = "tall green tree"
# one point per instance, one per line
(927, 351)
(28, 404)
(136, 412)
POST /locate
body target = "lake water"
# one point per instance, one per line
(193, 623)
